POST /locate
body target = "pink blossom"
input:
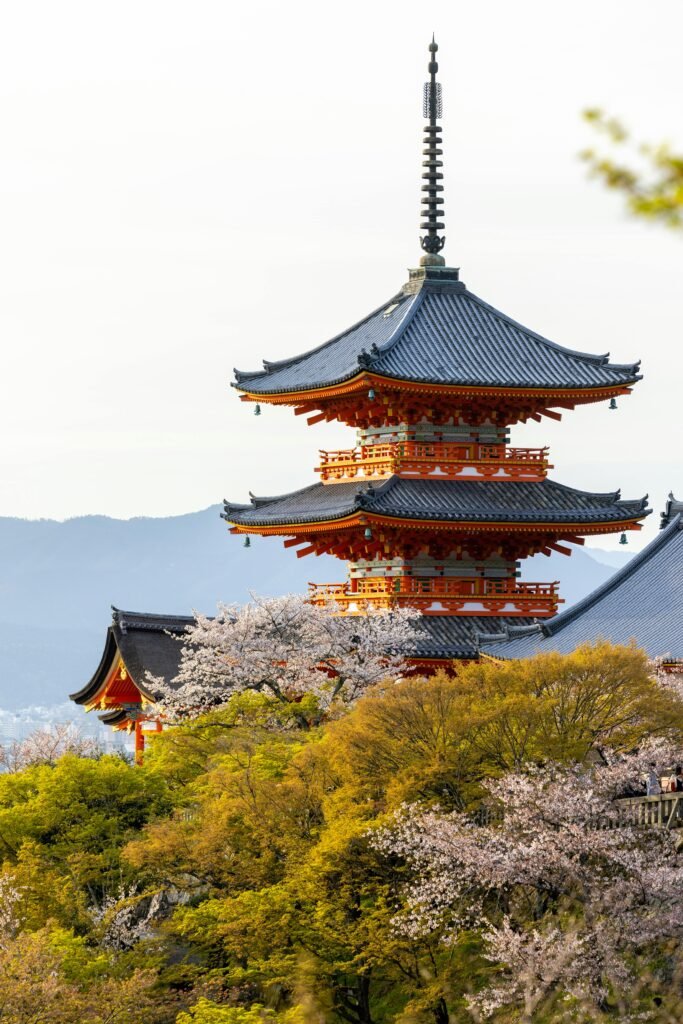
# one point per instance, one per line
(582, 887)
(286, 648)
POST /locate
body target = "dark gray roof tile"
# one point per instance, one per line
(144, 643)
(442, 334)
(641, 602)
(458, 500)
(456, 636)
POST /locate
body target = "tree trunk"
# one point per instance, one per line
(441, 1014)
(353, 1000)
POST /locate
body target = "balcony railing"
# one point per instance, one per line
(664, 811)
(445, 595)
(443, 460)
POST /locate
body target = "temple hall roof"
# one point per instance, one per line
(541, 501)
(642, 602)
(440, 333)
(456, 636)
(143, 642)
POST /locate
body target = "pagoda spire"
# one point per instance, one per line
(432, 202)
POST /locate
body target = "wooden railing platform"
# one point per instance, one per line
(445, 595)
(663, 811)
(443, 460)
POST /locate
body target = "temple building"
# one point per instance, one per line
(137, 645)
(643, 602)
(433, 507)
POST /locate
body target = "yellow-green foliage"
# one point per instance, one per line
(62, 828)
(208, 1012)
(557, 707)
(266, 830)
(651, 180)
(294, 897)
(50, 977)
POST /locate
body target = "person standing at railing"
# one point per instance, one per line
(653, 787)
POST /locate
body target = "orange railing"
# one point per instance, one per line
(437, 586)
(415, 456)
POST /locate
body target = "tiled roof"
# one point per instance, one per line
(441, 334)
(439, 500)
(455, 636)
(641, 602)
(143, 641)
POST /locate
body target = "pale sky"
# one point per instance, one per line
(188, 187)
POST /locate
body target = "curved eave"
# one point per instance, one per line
(364, 517)
(89, 694)
(110, 656)
(437, 333)
(276, 364)
(359, 381)
(118, 717)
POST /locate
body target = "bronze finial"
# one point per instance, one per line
(432, 201)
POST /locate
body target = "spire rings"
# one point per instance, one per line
(431, 201)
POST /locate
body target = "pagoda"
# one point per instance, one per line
(433, 507)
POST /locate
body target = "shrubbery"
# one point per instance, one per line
(430, 855)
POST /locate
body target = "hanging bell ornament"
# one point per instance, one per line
(623, 539)
(612, 403)
(371, 394)
(257, 410)
(247, 542)
(368, 533)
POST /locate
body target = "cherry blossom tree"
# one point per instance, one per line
(285, 648)
(564, 889)
(669, 674)
(45, 746)
(126, 918)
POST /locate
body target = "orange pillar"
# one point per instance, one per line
(139, 743)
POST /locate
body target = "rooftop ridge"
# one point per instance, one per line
(441, 501)
(672, 508)
(270, 365)
(598, 360)
(126, 620)
(556, 624)
(608, 495)
(258, 500)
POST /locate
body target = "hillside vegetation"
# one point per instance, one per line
(433, 853)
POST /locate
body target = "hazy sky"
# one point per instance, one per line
(188, 187)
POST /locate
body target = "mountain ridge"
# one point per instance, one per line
(59, 579)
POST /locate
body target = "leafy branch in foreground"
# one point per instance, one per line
(650, 177)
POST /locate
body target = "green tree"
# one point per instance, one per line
(650, 177)
(50, 977)
(556, 707)
(208, 1012)
(66, 824)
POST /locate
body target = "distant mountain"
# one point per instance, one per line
(59, 579)
(614, 559)
(578, 574)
